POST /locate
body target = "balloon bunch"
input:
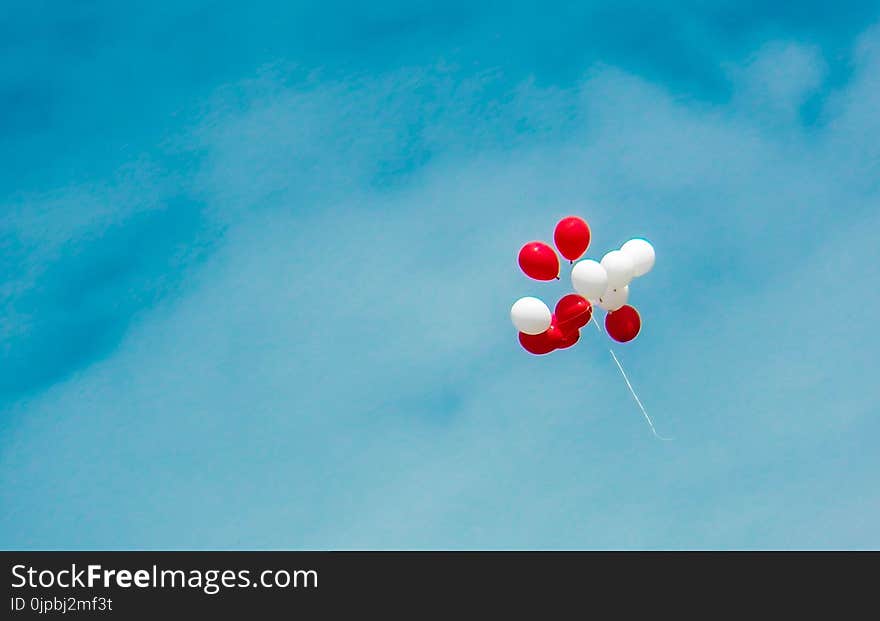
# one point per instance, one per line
(602, 283)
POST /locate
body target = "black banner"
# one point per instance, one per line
(133, 585)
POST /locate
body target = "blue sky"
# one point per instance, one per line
(257, 263)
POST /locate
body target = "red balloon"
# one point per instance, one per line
(572, 237)
(539, 261)
(562, 336)
(623, 324)
(538, 343)
(573, 311)
(569, 338)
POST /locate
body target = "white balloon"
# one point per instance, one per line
(613, 299)
(589, 278)
(530, 315)
(641, 252)
(619, 268)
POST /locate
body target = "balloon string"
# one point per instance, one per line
(629, 385)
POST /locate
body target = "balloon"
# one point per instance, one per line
(567, 338)
(623, 325)
(572, 237)
(530, 315)
(572, 312)
(589, 278)
(641, 252)
(538, 344)
(562, 336)
(539, 261)
(619, 268)
(613, 299)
